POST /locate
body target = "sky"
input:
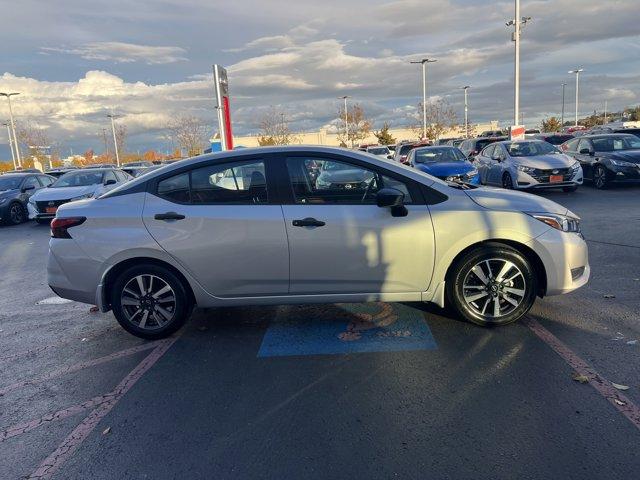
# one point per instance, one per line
(74, 61)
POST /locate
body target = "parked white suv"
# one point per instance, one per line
(189, 234)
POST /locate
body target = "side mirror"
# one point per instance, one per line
(391, 197)
(110, 182)
(26, 189)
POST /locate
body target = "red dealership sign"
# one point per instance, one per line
(224, 112)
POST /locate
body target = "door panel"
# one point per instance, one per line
(360, 249)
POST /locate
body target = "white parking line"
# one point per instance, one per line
(54, 301)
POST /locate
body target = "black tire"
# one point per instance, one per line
(600, 180)
(496, 255)
(573, 188)
(180, 309)
(17, 214)
(507, 181)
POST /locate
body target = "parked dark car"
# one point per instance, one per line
(607, 158)
(472, 146)
(492, 133)
(15, 191)
(58, 172)
(554, 138)
(614, 129)
(137, 171)
(142, 163)
(25, 170)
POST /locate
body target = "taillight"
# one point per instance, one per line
(60, 226)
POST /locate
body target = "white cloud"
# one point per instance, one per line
(120, 52)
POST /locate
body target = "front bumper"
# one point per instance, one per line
(565, 257)
(527, 181)
(624, 174)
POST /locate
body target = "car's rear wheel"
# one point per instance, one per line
(17, 213)
(150, 301)
(507, 181)
(492, 285)
(600, 180)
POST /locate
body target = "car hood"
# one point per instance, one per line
(345, 176)
(545, 162)
(62, 193)
(509, 200)
(445, 169)
(632, 156)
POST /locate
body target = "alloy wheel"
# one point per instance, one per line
(599, 177)
(16, 213)
(507, 182)
(494, 288)
(148, 302)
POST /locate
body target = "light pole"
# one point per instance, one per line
(346, 119)
(424, 62)
(13, 155)
(466, 112)
(577, 72)
(604, 121)
(115, 141)
(562, 115)
(13, 125)
(517, 22)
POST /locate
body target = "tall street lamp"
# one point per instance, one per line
(115, 141)
(562, 115)
(466, 112)
(346, 118)
(517, 22)
(424, 62)
(577, 72)
(13, 125)
(13, 155)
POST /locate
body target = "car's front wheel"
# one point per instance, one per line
(600, 180)
(17, 213)
(507, 181)
(493, 284)
(150, 301)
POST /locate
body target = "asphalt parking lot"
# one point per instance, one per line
(334, 391)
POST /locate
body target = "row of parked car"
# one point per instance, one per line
(31, 194)
(541, 160)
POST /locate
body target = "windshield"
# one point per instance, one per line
(78, 179)
(9, 183)
(529, 149)
(428, 155)
(404, 149)
(613, 144)
(379, 151)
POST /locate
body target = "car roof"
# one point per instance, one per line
(606, 135)
(19, 174)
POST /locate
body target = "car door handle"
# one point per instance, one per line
(169, 216)
(308, 222)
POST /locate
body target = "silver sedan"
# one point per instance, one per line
(263, 227)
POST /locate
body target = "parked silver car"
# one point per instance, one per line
(528, 164)
(185, 235)
(73, 185)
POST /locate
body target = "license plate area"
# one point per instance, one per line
(555, 178)
(51, 209)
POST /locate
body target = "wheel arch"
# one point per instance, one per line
(526, 251)
(113, 273)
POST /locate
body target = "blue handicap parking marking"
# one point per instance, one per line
(377, 327)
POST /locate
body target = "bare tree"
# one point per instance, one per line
(359, 125)
(189, 133)
(121, 137)
(274, 129)
(35, 139)
(440, 118)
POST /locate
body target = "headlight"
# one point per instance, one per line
(3, 200)
(575, 167)
(82, 197)
(622, 163)
(32, 200)
(559, 222)
(525, 169)
(471, 173)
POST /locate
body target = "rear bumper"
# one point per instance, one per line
(81, 269)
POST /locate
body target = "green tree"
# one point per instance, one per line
(551, 125)
(384, 136)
